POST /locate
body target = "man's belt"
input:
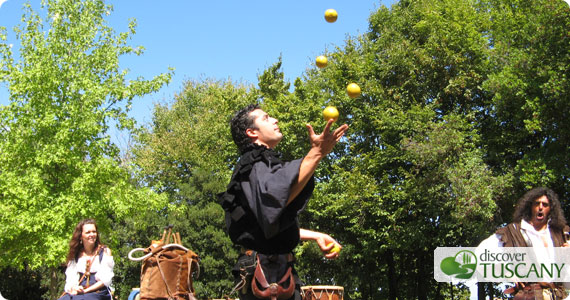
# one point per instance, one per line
(290, 256)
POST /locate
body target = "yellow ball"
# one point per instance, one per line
(353, 90)
(321, 61)
(331, 15)
(336, 248)
(330, 113)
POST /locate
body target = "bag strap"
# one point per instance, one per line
(191, 263)
(101, 252)
(246, 269)
(190, 258)
(274, 290)
(162, 275)
(98, 252)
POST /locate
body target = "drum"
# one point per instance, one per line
(322, 292)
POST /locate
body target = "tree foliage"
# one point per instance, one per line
(432, 157)
(463, 108)
(526, 129)
(57, 162)
(187, 154)
(428, 162)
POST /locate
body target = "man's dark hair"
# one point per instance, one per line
(239, 124)
(523, 209)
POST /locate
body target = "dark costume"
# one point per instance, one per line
(513, 235)
(257, 215)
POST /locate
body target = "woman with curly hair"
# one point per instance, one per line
(89, 265)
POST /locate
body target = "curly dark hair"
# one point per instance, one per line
(240, 123)
(523, 210)
(75, 244)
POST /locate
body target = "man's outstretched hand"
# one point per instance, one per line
(326, 141)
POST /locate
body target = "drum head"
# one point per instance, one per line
(323, 287)
(322, 292)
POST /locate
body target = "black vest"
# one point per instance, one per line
(241, 224)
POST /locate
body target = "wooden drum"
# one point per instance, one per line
(322, 292)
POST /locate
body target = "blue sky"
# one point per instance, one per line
(222, 40)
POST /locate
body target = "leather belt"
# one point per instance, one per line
(290, 256)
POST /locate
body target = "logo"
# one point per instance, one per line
(460, 266)
(501, 264)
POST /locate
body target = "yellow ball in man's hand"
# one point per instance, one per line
(336, 248)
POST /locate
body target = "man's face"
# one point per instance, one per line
(266, 131)
(540, 211)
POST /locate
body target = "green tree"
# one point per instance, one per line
(525, 128)
(57, 162)
(187, 154)
(462, 109)
(460, 114)
(410, 175)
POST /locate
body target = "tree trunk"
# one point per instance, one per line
(481, 291)
(421, 277)
(438, 291)
(392, 281)
(53, 291)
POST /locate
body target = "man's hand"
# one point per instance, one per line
(325, 141)
(325, 242)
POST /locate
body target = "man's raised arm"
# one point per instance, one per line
(321, 145)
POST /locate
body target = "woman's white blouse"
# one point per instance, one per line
(103, 270)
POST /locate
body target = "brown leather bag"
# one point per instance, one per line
(263, 290)
(167, 269)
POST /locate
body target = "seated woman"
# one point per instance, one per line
(89, 265)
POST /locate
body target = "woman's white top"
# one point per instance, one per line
(103, 270)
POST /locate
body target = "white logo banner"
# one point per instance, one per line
(512, 264)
